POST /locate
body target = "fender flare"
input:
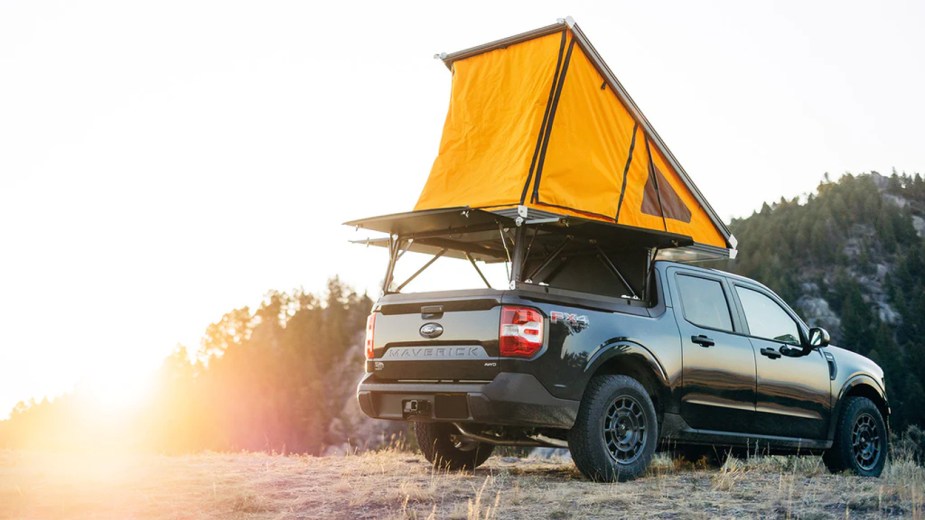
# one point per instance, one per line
(855, 381)
(618, 347)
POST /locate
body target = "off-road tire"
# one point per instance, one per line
(616, 432)
(446, 449)
(860, 444)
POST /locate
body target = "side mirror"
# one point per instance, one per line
(818, 337)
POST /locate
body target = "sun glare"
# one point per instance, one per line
(118, 389)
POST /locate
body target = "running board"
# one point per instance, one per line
(675, 428)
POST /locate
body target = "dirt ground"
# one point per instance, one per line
(394, 484)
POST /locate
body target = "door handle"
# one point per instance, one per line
(770, 352)
(703, 341)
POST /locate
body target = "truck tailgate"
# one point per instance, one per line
(449, 336)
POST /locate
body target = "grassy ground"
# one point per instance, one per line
(400, 485)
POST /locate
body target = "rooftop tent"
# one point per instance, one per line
(538, 120)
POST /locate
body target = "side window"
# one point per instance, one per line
(704, 302)
(766, 319)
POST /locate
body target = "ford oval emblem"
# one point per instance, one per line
(431, 330)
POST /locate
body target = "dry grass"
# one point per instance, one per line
(400, 485)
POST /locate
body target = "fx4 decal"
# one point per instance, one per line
(575, 322)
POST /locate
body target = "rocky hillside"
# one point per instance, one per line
(851, 258)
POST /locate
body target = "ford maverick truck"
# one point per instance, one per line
(602, 343)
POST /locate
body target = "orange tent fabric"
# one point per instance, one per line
(538, 122)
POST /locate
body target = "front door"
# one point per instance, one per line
(794, 395)
(718, 374)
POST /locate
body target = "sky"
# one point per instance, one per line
(162, 163)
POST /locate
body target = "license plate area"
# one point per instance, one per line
(443, 406)
(451, 406)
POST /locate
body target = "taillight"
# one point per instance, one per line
(521, 333)
(370, 331)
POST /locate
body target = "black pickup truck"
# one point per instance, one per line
(600, 345)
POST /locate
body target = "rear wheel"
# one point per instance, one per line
(860, 444)
(616, 432)
(445, 448)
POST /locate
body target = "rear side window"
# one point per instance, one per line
(766, 319)
(704, 302)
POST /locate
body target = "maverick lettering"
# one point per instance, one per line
(412, 353)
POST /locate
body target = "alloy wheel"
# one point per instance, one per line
(625, 430)
(865, 442)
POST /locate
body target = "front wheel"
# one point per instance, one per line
(445, 448)
(860, 444)
(616, 432)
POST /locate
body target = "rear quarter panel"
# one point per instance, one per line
(604, 329)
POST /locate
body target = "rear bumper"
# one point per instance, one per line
(510, 399)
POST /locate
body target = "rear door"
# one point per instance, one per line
(437, 337)
(794, 394)
(718, 374)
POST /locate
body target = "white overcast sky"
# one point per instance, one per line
(164, 162)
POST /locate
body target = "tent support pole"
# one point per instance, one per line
(517, 263)
(650, 265)
(549, 259)
(421, 270)
(393, 258)
(606, 260)
(476, 267)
